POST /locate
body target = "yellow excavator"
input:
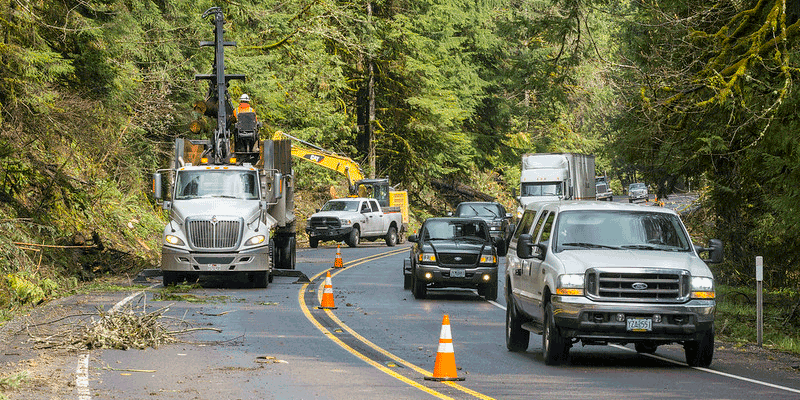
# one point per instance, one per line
(391, 200)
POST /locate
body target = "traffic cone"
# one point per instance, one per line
(445, 367)
(327, 294)
(337, 263)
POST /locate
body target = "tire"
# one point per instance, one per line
(700, 353)
(489, 290)
(418, 288)
(517, 339)
(407, 282)
(170, 278)
(290, 253)
(554, 346)
(260, 279)
(646, 347)
(354, 238)
(391, 237)
(313, 243)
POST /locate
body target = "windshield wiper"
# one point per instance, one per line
(641, 247)
(590, 245)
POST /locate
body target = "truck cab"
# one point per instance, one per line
(600, 273)
(353, 219)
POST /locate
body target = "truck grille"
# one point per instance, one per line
(332, 222)
(639, 285)
(214, 234)
(449, 259)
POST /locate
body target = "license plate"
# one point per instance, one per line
(457, 273)
(640, 324)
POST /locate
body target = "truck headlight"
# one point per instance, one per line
(703, 287)
(426, 257)
(257, 239)
(570, 285)
(346, 222)
(488, 259)
(174, 240)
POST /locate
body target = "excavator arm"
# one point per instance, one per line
(317, 155)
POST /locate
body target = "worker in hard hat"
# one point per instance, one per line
(244, 106)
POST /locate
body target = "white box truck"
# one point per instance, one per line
(555, 176)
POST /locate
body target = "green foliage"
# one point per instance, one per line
(736, 316)
(28, 288)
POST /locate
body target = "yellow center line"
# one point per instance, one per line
(375, 347)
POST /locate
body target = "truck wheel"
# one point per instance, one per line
(419, 288)
(554, 346)
(490, 291)
(517, 339)
(260, 279)
(354, 238)
(407, 282)
(645, 347)
(391, 237)
(313, 243)
(700, 353)
(290, 253)
(170, 278)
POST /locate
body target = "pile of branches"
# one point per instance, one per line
(122, 330)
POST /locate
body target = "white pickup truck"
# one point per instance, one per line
(353, 219)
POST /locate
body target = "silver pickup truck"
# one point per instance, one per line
(600, 273)
(354, 219)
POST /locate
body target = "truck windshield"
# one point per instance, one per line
(478, 210)
(449, 230)
(541, 189)
(341, 205)
(593, 229)
(226, 184)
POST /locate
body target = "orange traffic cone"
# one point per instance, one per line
(337, 263)
(445, 367)
(327, 294)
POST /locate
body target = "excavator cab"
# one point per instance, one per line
(375, 188)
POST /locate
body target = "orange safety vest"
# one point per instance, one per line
(243, 108)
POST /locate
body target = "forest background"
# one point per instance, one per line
(683, 94)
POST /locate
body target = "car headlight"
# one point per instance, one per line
(257, 239)
(488, 259)
(702, 287)
(174, 240)
(570, 285)
(426, 257)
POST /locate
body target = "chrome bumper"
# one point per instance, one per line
(184, 261)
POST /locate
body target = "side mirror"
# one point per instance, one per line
(449, 213)
(157, 186)
(715, 249)
(413, 238)
(525, 246)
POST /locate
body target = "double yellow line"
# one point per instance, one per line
(363, 357)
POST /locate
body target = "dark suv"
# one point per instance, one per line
(452, 252)
(494, 214)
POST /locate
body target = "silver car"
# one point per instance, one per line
(637, 192)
